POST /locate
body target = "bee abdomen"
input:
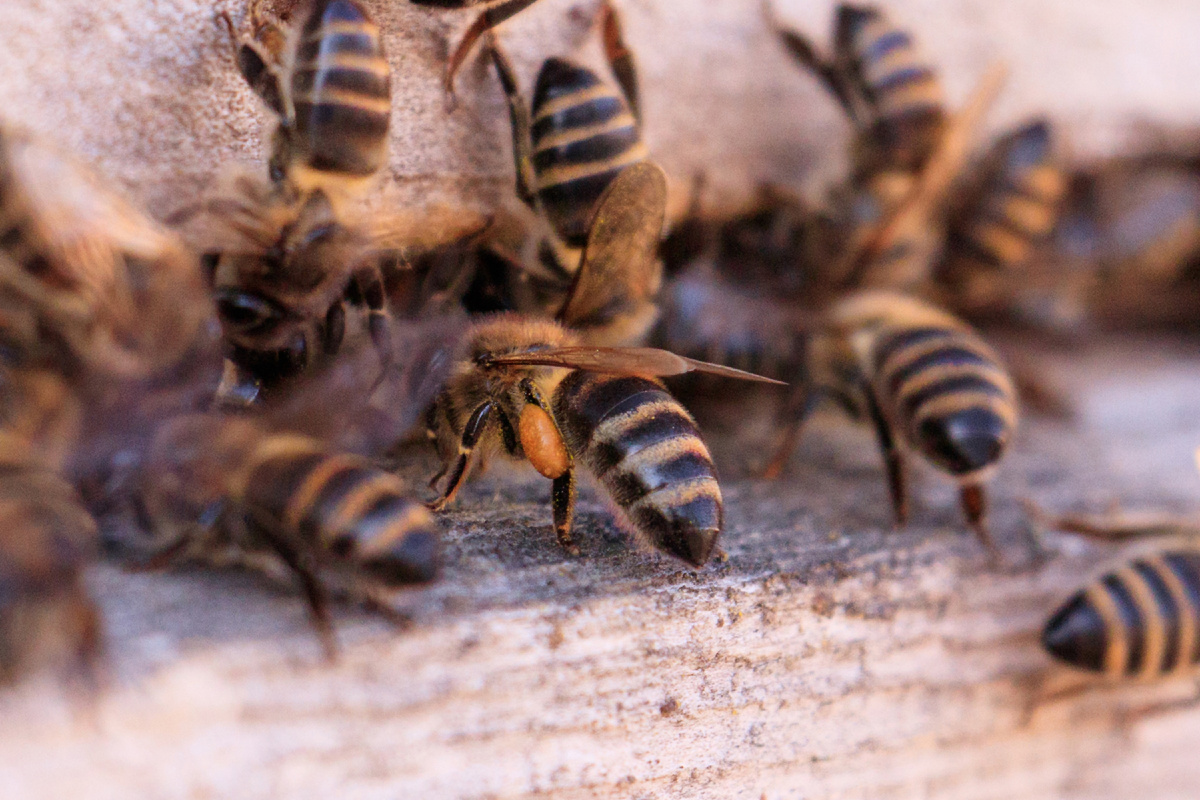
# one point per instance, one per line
(949, 394)
(646, 451)
(1019, 202)
(904, 90)
(583, 135)
(1141, 620)
(350, 509)
(341, 91)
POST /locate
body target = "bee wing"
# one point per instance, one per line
(632, 360)
(424, 230)
(620, 266)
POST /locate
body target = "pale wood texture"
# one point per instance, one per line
(829, 657)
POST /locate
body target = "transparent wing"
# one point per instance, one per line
(632, 360)
(619, 268)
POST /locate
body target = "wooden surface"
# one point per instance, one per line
(829, 657)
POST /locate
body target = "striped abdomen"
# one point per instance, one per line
(903, 91)
(583, 135)
(1141, 620)
(947, 393)
(342, 505)
(647, 453)
(341, 91)
(1019, 202)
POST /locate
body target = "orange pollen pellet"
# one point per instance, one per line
(542, 443)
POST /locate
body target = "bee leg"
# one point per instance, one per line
(974, 505)
(369, 286)
(799, 408)
(334, 329)
(562, 500)
(258, 65)
(893, 460)
(299, 561)
(620, 60)
(474, 429)
(562, 492)
(803, 52)
(489, 19)
(518, 116)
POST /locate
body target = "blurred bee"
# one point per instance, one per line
(577, 137)
(882, 81)
(562, 405)
(104, 329)
(885, 226)
(1139, 619)
(1010, 213)
(287, 254)
(213, 482)
(1136, 621)
(926, 381)
(1132, 225)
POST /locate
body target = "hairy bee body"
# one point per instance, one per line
(646, 451)
(47, 537)
(1141, 620)
(288, 255)
(341, 91)
(628, 431)
(287, 494)
(583, 135)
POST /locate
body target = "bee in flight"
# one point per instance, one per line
(533, 389)
(926, 381)
(287, 253)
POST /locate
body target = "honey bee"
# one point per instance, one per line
(886, 223)
(569, 146)
(215, 481)
(532, 388)
(926, 381)
(1012, 211)
(880, 78)
(105, 328)
(287, 253)
(1135, 621)
(1131, 225)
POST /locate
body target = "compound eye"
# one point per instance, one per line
(246, 312)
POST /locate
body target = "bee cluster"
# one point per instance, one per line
(229, 382)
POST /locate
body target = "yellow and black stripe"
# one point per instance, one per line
(341, 91)
(1018, 202)
(646, 451)
(947, 393)
(583, 135)
(1142, 620)
(341, 505)
(903, 92)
